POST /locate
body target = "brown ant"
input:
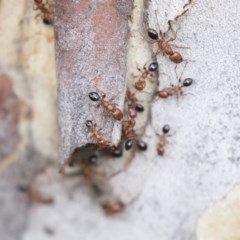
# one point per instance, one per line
(128, 126)
(107, 105)
(45, 11)
(133, 100)
(96, 135)
(89, 168)
(146, 72)
(175, 89)
(164, 45)
(162, 140)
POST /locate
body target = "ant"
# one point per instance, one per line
(164, 45)
(46, 13)
(128, 126)
(175, 89)
(92, 127)
(146, 72)
(162, 140)
(107, 105)
(89, 167)
(132, 98)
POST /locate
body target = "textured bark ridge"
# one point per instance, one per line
(90, 56)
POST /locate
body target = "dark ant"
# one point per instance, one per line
(96, 135)
(46, 13)
(162, 140)
(146, 72)
(107, 105)
(175, 89)
(163, 44)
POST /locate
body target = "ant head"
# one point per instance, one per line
(128, 144)
(94, 96)
(139, 107)
(187, 82)
(152, 33)
(89, 124)
(93, 159)
(153, 67)
(142, 145)
(166, 129)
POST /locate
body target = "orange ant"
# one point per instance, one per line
(107, 105)
(162, 140)
(46, 13)
(128, 126)
(89, 167)
(163, 44)
(96, 135)
(133, 100)
(146, 72)
(175, 89)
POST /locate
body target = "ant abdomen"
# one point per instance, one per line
(152, 34)
(176, 57)
(187, 82)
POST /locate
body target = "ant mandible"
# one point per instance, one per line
(176, 89)
(146, 72)
(107, 105)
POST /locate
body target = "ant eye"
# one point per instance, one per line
(93, 159)
(187, 82)
(142, 146)
(89, 123)
(152, 34)
(139, 108)
(128, 144)
(166, 128)
(153, 67)
(94, 96)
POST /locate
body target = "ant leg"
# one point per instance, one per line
(169, 26)
(174, 36)
(177, 46)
